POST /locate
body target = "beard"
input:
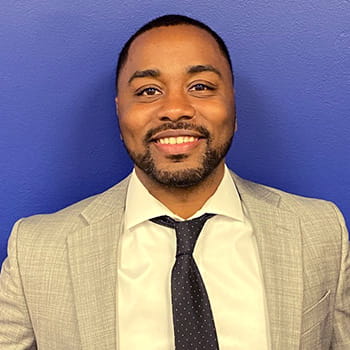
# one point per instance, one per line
(187, 177)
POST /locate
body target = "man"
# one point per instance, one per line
(271, 269)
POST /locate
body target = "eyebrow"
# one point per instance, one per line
(203, 68)
(153, 73)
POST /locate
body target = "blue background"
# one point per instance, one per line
(59, 140)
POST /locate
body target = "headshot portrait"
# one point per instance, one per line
(175, 176)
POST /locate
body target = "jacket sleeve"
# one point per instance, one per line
(341, 333)
(16, 332)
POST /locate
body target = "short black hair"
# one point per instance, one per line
(166, 21)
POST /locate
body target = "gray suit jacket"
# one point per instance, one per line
(58, 284)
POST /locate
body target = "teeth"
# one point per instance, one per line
(176, 140)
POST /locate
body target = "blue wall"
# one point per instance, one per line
(59, 141)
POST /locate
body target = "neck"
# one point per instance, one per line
(183, 202)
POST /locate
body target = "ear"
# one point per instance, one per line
(116, 106)
(117, 111)
(235, 110)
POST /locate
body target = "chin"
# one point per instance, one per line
(180, 171)
(181, 178)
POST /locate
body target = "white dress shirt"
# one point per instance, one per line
(226, 255)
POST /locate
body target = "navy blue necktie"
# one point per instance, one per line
(194, 327)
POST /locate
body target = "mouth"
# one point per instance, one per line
(177, 136)
(176, 145)
(181, 139)
(178, 140)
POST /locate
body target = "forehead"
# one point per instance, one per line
(173, 47)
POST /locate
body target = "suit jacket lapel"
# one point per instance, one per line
(278, 238)
(93, 261)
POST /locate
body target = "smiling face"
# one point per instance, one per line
(176, 105)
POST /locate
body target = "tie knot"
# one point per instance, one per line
(187, 231)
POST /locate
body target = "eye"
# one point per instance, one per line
(150, 91)
(201, 87)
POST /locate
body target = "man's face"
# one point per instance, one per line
(176, 105)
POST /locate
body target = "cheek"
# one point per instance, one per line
(129, 118)
(133, 125)
(218, 115)
(129, 131)
(134, 115)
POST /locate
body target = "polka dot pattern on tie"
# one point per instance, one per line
(194, 327)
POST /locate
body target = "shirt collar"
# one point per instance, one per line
(142, 206)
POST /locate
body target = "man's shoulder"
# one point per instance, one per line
(266, 195)
(76, 215)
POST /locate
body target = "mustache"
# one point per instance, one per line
(204, 132)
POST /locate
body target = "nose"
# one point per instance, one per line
(176, 107)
